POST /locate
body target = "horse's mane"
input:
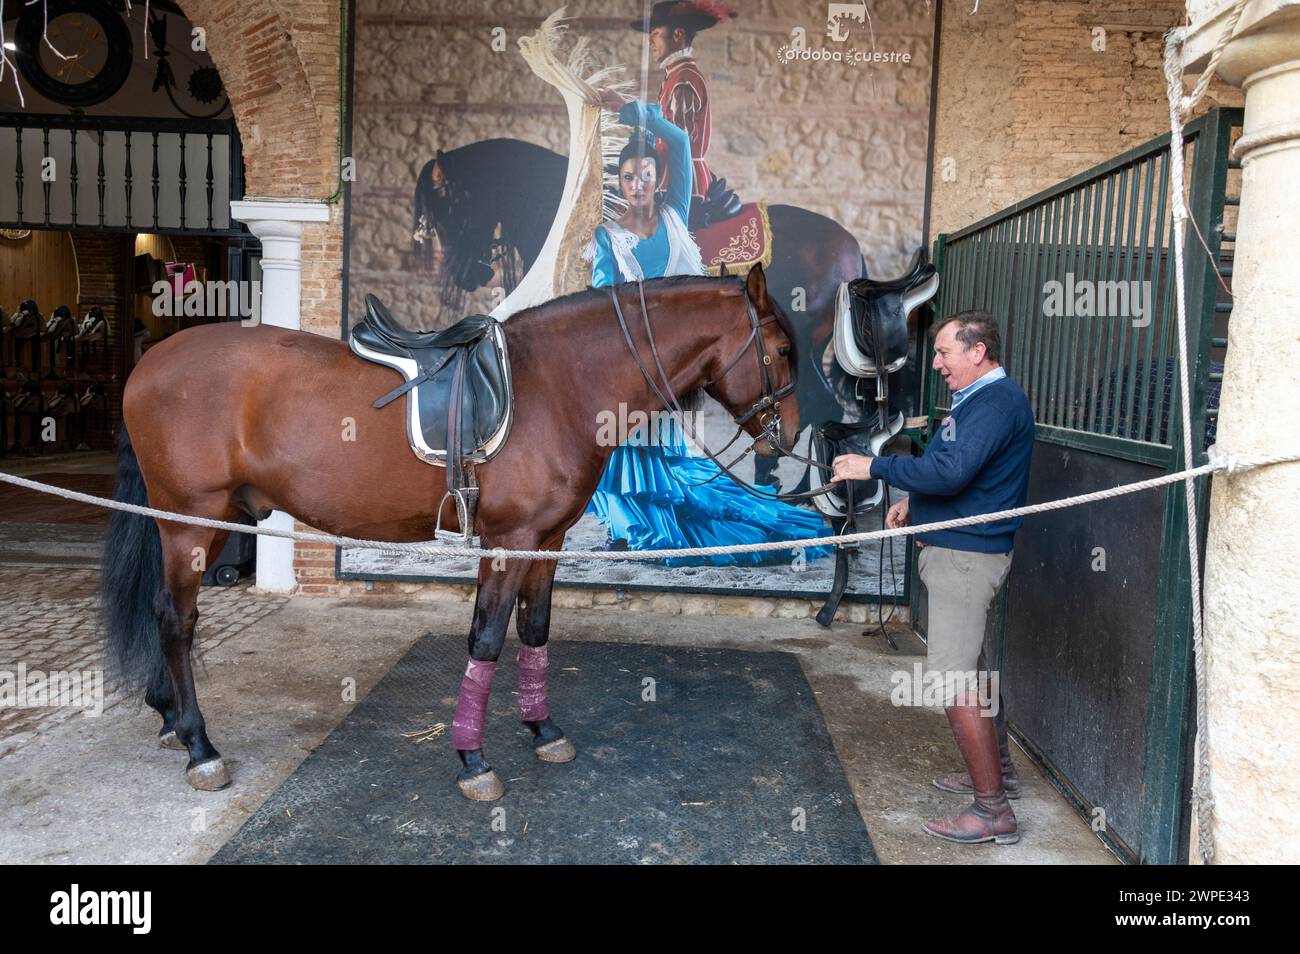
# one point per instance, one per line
(590, 295)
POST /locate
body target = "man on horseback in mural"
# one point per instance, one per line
(653, 493)
(684, 96)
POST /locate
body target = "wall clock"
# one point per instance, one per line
(90, 34)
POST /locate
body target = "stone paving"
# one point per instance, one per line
(48, 622)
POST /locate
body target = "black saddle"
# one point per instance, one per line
(850, 498)
(459, 397)
(26, 321)
(871, 336)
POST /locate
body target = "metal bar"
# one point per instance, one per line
(100, 170)
(117, 123)
(45, 180)
(1096, 335)
(1064, 324)
(18, 171)
(1071, 417)
(209, 135)
(1142, 452)
(155, 180)
(1111, 423)
(73, 178)
(1158, 321)
(181, 177)
(1124, 329)
(126, 178)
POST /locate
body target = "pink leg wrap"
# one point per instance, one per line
(471, 706)
(532, 683)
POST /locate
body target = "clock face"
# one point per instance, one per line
(91, 35)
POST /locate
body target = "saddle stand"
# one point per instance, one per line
(459, 399)
(872, 341)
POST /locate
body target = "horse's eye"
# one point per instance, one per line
(783, 351)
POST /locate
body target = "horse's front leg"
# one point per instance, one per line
(534, 625)
(497, 590)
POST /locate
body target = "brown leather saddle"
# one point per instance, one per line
(459, 400)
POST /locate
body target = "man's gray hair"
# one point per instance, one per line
(976, 327)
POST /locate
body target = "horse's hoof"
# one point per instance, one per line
(559, 751)
(485, 787)
(168, 740)
(209, 776)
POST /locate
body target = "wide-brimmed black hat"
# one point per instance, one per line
(693, 15)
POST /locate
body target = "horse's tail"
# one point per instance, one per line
(129, 580)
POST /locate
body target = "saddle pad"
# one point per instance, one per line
(487, 399)
(738, 242)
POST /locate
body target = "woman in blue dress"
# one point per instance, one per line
(653, 494)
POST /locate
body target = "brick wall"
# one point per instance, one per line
(1024, 100)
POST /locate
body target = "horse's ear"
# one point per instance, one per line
(756, 285)
(722, 270)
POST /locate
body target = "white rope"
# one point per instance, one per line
(1219, 463)
(1180, 107)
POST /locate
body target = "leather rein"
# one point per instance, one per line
(766, 407)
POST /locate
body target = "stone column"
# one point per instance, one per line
(1252, 560)
(278, 223)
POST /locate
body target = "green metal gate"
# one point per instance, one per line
(1092, 634)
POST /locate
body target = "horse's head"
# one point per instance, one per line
(754, 375)
(443, 211)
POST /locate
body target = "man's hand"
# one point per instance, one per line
(850, 467)
(899, 515)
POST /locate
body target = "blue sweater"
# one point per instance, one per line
(982, 467)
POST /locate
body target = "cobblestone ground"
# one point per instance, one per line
(48, 622)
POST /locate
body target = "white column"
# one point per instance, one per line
(278, 223)
(1252, 560)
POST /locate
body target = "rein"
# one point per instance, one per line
(766, 406)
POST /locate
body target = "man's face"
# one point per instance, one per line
(637, 180)
(666, 40)
(959, 365)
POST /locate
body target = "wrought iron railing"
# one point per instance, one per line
(119, 174)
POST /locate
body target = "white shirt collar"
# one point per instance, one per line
(988, 377)
(672, 59)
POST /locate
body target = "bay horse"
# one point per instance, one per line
(225, 419)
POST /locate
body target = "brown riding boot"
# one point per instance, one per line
(990, 817)
(959, 783)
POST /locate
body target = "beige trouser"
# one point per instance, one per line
(961, 586)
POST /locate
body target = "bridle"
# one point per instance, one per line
(767, 407)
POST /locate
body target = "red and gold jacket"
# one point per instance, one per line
(684, 99)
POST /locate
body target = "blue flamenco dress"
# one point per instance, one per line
(654, 493)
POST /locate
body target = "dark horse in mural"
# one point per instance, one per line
(493, 200)
(225, 419)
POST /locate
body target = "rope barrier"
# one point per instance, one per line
(1223, 463)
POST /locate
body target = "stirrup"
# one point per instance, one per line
(466, 507)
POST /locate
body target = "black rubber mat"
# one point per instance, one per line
(730, 762)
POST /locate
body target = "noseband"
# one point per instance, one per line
(766, 407)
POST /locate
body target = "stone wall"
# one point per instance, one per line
(1025, 101)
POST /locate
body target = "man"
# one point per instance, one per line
(978, 463)
(684, 94)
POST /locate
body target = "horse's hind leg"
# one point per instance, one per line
(186, 550)
(497, 590)
(534, 625)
